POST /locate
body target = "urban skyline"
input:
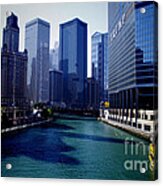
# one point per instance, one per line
(72, 60)
(37, 40)
(84, 11)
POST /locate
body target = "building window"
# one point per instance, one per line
(17, 114)
(134, 124)
(152, 117)
(147, 127)
(146, 117)
(10, 115)
(139, 125)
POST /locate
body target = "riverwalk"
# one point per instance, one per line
(130, 129)
(19, 127)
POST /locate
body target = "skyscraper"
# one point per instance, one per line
(133, 63)
(37, 43)
(73, 61)
(14, 70)
(106, 66)
(55, 87)
(100, 63)
(11, 33)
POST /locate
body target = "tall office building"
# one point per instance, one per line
(37, 43)
(73, 61)
(55, 87)
(133, 63)
(13, 70)
(106, 66)
(100, 63)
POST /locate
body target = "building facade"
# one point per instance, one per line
(37, 33)
(55, 87)
(13, 71)
(92, 93)
(73, 61)
(106, 66)
(11, 33)
(133, 63)
(100, 63)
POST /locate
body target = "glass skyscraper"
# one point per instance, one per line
(106, 66)
(133, 62)
(73, 61)
(37, 34)
(100, 63)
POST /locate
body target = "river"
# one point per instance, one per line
(73, 148)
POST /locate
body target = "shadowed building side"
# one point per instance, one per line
(55, 87)
(73, 62)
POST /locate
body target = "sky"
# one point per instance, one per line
(93, 13)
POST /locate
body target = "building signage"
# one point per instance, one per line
(117, 27)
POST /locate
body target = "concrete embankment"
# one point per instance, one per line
(24, 126)
(127, 128)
